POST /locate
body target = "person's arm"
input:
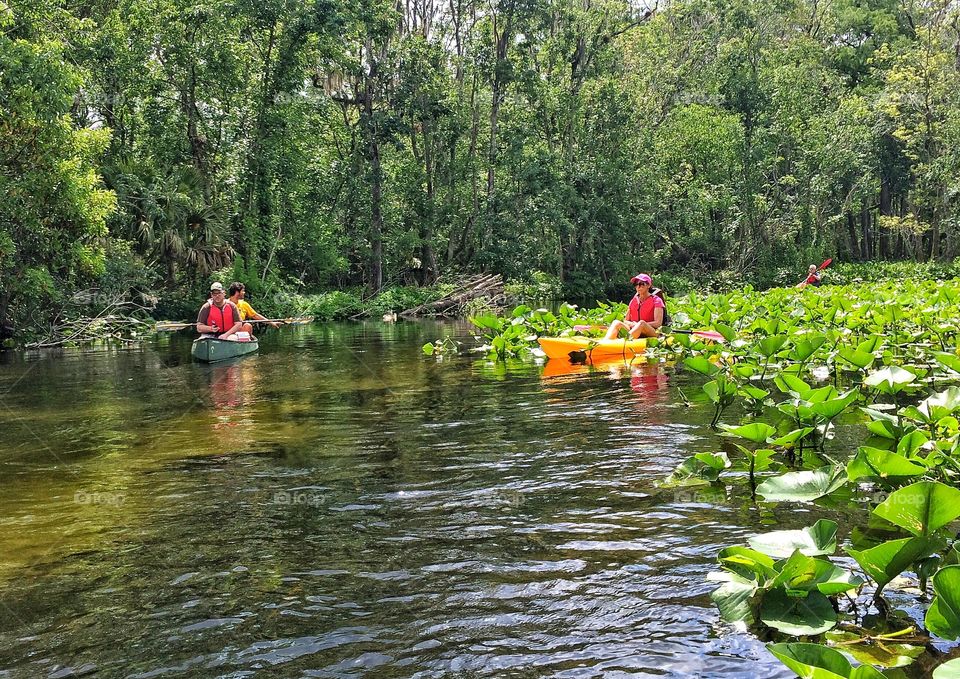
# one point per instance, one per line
(258, 317)
(657, 317)
(202, 319)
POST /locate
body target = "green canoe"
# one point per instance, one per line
(210, 350)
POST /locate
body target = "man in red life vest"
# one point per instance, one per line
(813, 277)
(219, 317)
(645, 313)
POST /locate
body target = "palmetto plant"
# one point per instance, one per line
(172, 218)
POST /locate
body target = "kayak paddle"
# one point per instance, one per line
(170, 326)
(822, 266)
(705, 334)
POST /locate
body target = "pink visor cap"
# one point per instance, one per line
(641, 278)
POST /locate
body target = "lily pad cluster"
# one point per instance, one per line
(793, 365)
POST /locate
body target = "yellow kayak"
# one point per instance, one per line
(560, 347)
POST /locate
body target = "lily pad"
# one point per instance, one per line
(816, 540)
(943, 616)
(803, 486)
(799, 616)
(922, 507)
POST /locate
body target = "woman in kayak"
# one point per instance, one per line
(645, 313)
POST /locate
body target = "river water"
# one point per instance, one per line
(341, 505)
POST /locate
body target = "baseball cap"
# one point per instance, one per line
(641, 278)
(216, 287)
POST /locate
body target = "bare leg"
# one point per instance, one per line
(614, 329)
(643, 329)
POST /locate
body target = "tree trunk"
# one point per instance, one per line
(375, 282)
(429, 263)
(855, 248)
(6, 328)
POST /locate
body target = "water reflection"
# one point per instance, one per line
(338, 505)
(233, 386)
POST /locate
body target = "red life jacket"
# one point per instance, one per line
(637, 309)
(222, 318)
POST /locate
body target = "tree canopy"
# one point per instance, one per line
(327, 144)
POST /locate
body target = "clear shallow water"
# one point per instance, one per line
(340, 505)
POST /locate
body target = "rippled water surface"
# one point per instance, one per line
(340, 505)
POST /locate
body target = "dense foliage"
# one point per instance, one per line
(335, 144)
(883, 360)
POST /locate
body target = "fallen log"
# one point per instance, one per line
(487, 288)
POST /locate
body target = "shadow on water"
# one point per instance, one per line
(340, 505)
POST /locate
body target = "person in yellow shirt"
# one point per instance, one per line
(247, 312)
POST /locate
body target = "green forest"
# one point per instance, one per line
(317, 145)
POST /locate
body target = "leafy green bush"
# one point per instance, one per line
(537, 286)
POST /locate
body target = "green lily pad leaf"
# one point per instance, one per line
(717, 461)
(486, 321)
(803, 486)
(831, 408)
(801, 573)
(791, 384)
(700, 469)
(871, 344)
(881, 464)
(762, 459)
(728, 333)
(756, 393)
(701, 365)
(790, 438)
(890, 380)
(796, 615)
(883, 429)
(747, 563)
(889, 559)
(821, 394)
(855, 357)
(951, 361)
(758, 432)
(814, 661)
(912, 442)
(948, 670)
(938, 406)
(733, 597)
(770, 345)
(922, 507)
(720, 390)
(943, 616)
(816, 540)
(805, 348)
